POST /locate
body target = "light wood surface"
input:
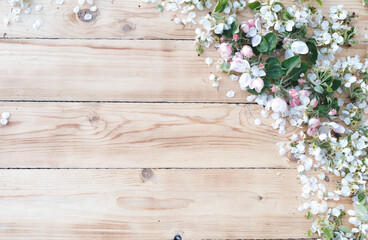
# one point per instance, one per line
(126, 19)
(153, 204)
(89, 112)
(91, 135)
(113, 70)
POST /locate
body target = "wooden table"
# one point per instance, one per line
(116, 133)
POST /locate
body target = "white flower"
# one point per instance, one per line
(254, 33)
(239, 65)
(289, 25)
(298, 47)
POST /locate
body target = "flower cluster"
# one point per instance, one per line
(293, 74)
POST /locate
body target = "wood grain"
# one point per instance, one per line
(121, 204)
(111, 70)
(126, 19)
(102, 135)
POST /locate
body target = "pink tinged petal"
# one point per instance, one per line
(252, 32)
(299, 47)
(256, 40)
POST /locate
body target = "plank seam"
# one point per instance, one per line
(130, 39)
(81, 101)
(154, 168)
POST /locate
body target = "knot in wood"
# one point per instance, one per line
(93, 118)
(147, 174)
(82, 15)
(128, 27)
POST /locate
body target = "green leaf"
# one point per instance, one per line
(345, 229)
(230, 32)
(319, 89)
(319, 2)
(271, 42)
(295, 73)
(328, 233)
(361, 208)
(309, 214)
(309, 233)
(254, 5)
(221, 5)
(361, 198)
(290, 64)
(336, 84)
(285, 14)
(322, 109)
(263, 45)
(225, 67)
(329, 89)
(313, 53)
(273, 68)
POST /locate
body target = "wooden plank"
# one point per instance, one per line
(109, 70)
(121, 204)
(126, 19)
(102, 135)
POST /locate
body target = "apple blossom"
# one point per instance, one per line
(239, 65)
(312, 131)
(225, 50)
(294, 93)
(278, 105)
(332, 112)
(294, 102)
(275, 88)
(304, 93)
(314, 102)
(247, 51)
(256, 84)
(313, 122)
(302, 80)
(254, 33)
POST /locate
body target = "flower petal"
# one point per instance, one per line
(299, 47)
(288, 54)
(256, 40)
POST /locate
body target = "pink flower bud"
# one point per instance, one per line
(294, 93)
(222, 39)
(225, 50)
(236, 37)
(256, 84)
(313, 122)
(279, 105)
(312, 131)
(274, 88)
(304, 93)
(294, 102)
(332, 112)
(302, 80)
(314, 102)
(251, 23)
(247, 51)
(261, 66)
(287, 40)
